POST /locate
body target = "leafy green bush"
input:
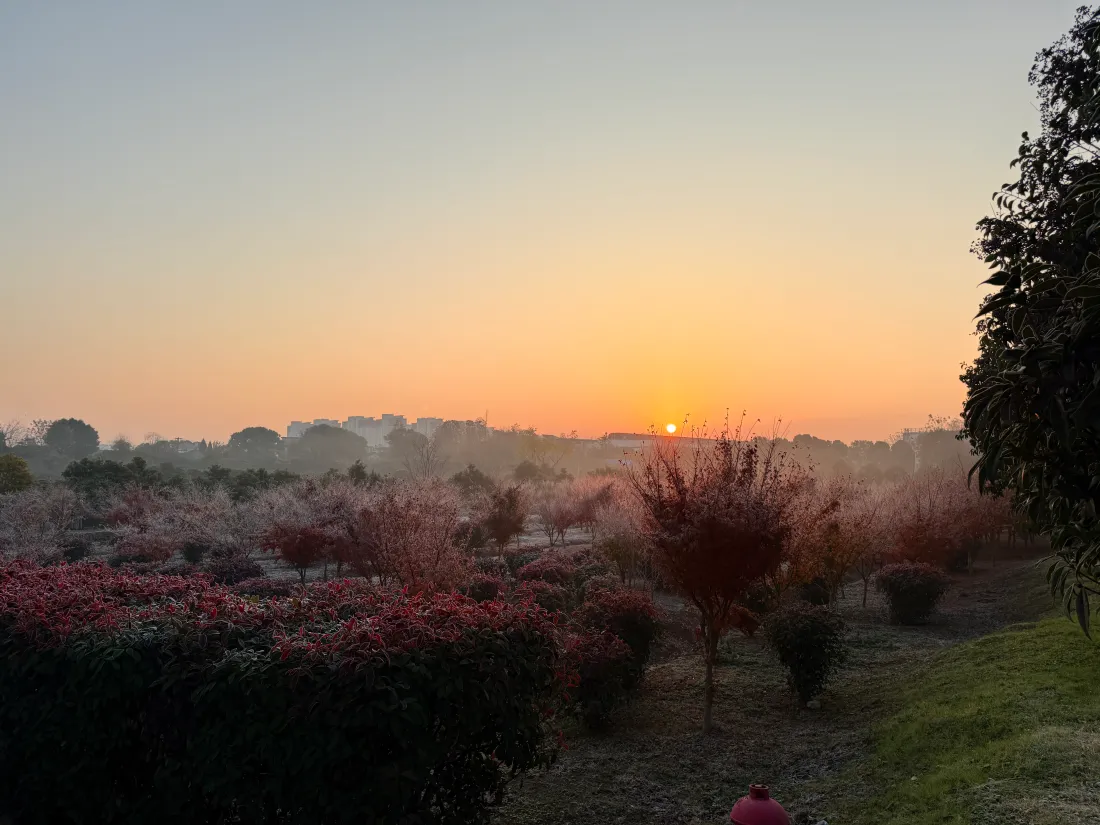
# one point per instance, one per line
(484, 588)
(132, 699)
(266, 588)
(232, 569)
(193, 552)
(607, 673)
(913, 590)
(548, 569)
(809, 641)
(601, 584)
(629, 614)
(515, 559)
(814, 592)
(548, 596)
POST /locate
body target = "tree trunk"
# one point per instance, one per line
(708, 696)
(710, 656)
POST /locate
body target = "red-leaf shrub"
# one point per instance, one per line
(629, 614)
(548, 569)
(809, 641)
(179, 701)
(607, 674)
(484, 588)
(265, 587)
(913, 590)
(548, 596)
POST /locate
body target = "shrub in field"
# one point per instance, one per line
(587, 563)
(490, 566)
(504, 514)
(193, 552)
(548, 569)
(515, 559)
(600, 584)
(913, 590)
(606, 672)
(809, 641)
(815, 592)
(484, 587)
(471, 535)
(232, 569)
(265, 587)
(179, 701)
(75, 548)
(550, 597)
(629, 614)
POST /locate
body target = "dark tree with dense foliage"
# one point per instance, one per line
(15, 475)
(1033, 404)
(254, 443)
(506, 515)
(96, 480)
(472, 481)
(72, 438)
(323, 447)
(809, 642)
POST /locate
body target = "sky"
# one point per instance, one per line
(570, 215)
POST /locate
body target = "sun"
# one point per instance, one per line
(670, 428)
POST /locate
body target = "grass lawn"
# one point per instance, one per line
(1003, 729)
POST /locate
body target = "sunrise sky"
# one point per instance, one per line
(575, 215)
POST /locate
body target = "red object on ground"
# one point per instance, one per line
(758, 808)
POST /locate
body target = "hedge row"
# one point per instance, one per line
(134, 699)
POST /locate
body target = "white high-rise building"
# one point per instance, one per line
(391, 422)
(367, 428)
(427, 426)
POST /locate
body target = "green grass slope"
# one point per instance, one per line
(1004, 729)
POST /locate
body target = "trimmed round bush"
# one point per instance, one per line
(809, 641)
(814, 592)
(629, 614)
(548, 569)
(75, 548)
(490, 566)
(547, 596)
(193, 552)
(606, 672)
(266, 588)
(515, 559)
(913, 589)
(233, 569)
(601, 584)
(484, 587)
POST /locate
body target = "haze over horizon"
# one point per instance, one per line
(579, 217)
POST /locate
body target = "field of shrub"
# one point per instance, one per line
(208, 656)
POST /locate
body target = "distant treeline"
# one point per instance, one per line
(257, 457)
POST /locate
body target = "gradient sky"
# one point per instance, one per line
(591, 215)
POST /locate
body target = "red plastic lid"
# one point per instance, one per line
(758, 808)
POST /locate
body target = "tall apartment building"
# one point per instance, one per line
(391, 422)
(366, 428)
(427, 426)
(296, 428)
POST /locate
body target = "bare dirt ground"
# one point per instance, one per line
(655, 767)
